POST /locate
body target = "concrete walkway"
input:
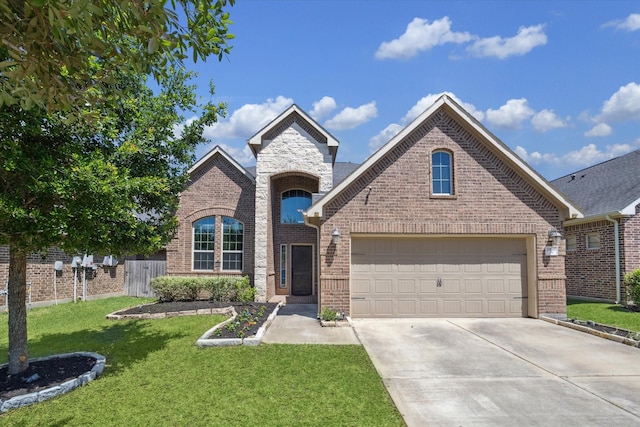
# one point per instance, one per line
(298, 324)
(503, 372)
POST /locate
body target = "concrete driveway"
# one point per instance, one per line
(503, 372)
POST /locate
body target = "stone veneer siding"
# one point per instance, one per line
(394, 198)
(291, 148)
(217, 189)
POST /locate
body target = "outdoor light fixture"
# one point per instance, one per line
(335, 235)
(555, 237)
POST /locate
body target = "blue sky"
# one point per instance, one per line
(556, 81)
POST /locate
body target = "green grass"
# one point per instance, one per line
(604, 313)
(157, 376)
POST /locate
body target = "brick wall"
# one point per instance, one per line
(394, 197)
(41, 273)
(218, 189)
(591, 272)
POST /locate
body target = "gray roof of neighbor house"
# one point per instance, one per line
(611, 186)
(340, 170)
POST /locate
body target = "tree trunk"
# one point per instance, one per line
(17, 296)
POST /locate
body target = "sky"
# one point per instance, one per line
(557, 81)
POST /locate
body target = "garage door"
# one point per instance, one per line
(438, 277)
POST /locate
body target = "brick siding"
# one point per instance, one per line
(218, 189)
(394, 197)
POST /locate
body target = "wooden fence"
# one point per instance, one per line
(138, 275)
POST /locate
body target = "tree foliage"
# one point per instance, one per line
(48, 46)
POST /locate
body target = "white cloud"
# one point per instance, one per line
(545, 120)
(177, 129)
(623, 105)
(601, 129)
(510, 115)
(418, 108)
(323, 107)
(350, 118)
(631, 23)
(500, 47)
(585, 156)
(248, 119)
(384, 136)
(419, 36)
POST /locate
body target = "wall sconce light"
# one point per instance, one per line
(555, 237)
(335, 235)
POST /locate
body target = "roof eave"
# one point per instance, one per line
(218, 150)
(594, 218)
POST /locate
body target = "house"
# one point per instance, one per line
(443, 220)
(604, 245)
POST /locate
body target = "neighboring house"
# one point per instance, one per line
(605, 244)
(443, 220)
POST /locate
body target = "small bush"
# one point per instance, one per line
(329, 314)
(632, 281)
(221, 289)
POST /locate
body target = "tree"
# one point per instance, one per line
(47, 46)
(105, 186)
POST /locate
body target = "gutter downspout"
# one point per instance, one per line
(616, 232)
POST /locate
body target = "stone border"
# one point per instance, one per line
(203, 311)
(336, 323)
(582, 328)
(206, 341)
(51, 392)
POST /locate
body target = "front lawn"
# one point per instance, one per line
(604, 313)
(156, 375)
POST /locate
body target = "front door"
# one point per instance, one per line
(301, 270)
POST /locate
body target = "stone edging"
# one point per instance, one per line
(203, 311)
(582, 328)
(336, 323)
(51, 392)
(206, 341)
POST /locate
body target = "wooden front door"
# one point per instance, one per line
(301, 270)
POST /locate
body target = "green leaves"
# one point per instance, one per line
(40, 39)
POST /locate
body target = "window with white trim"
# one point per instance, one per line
(593, 241)
(232, 243)
(204, 234)
(571, 242)
(441, 182)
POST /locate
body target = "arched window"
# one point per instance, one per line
(441, 173)
(232, 243)
(293, 203)
(204, 235)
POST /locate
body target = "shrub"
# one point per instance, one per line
(329, 314)
(222, 289)
(244, 291)
(632, 281)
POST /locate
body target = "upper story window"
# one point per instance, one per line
(571, 243)
(593, 241)
(204, 234)
(441, 173)
(294, 202)
(232, 243)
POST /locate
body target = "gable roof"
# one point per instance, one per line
(499, 148)
(217, 150)
(297, 115)
(612, 186)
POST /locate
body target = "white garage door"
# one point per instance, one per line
(438, 277)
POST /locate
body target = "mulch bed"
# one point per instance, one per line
(248, 328)
(51, 372)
